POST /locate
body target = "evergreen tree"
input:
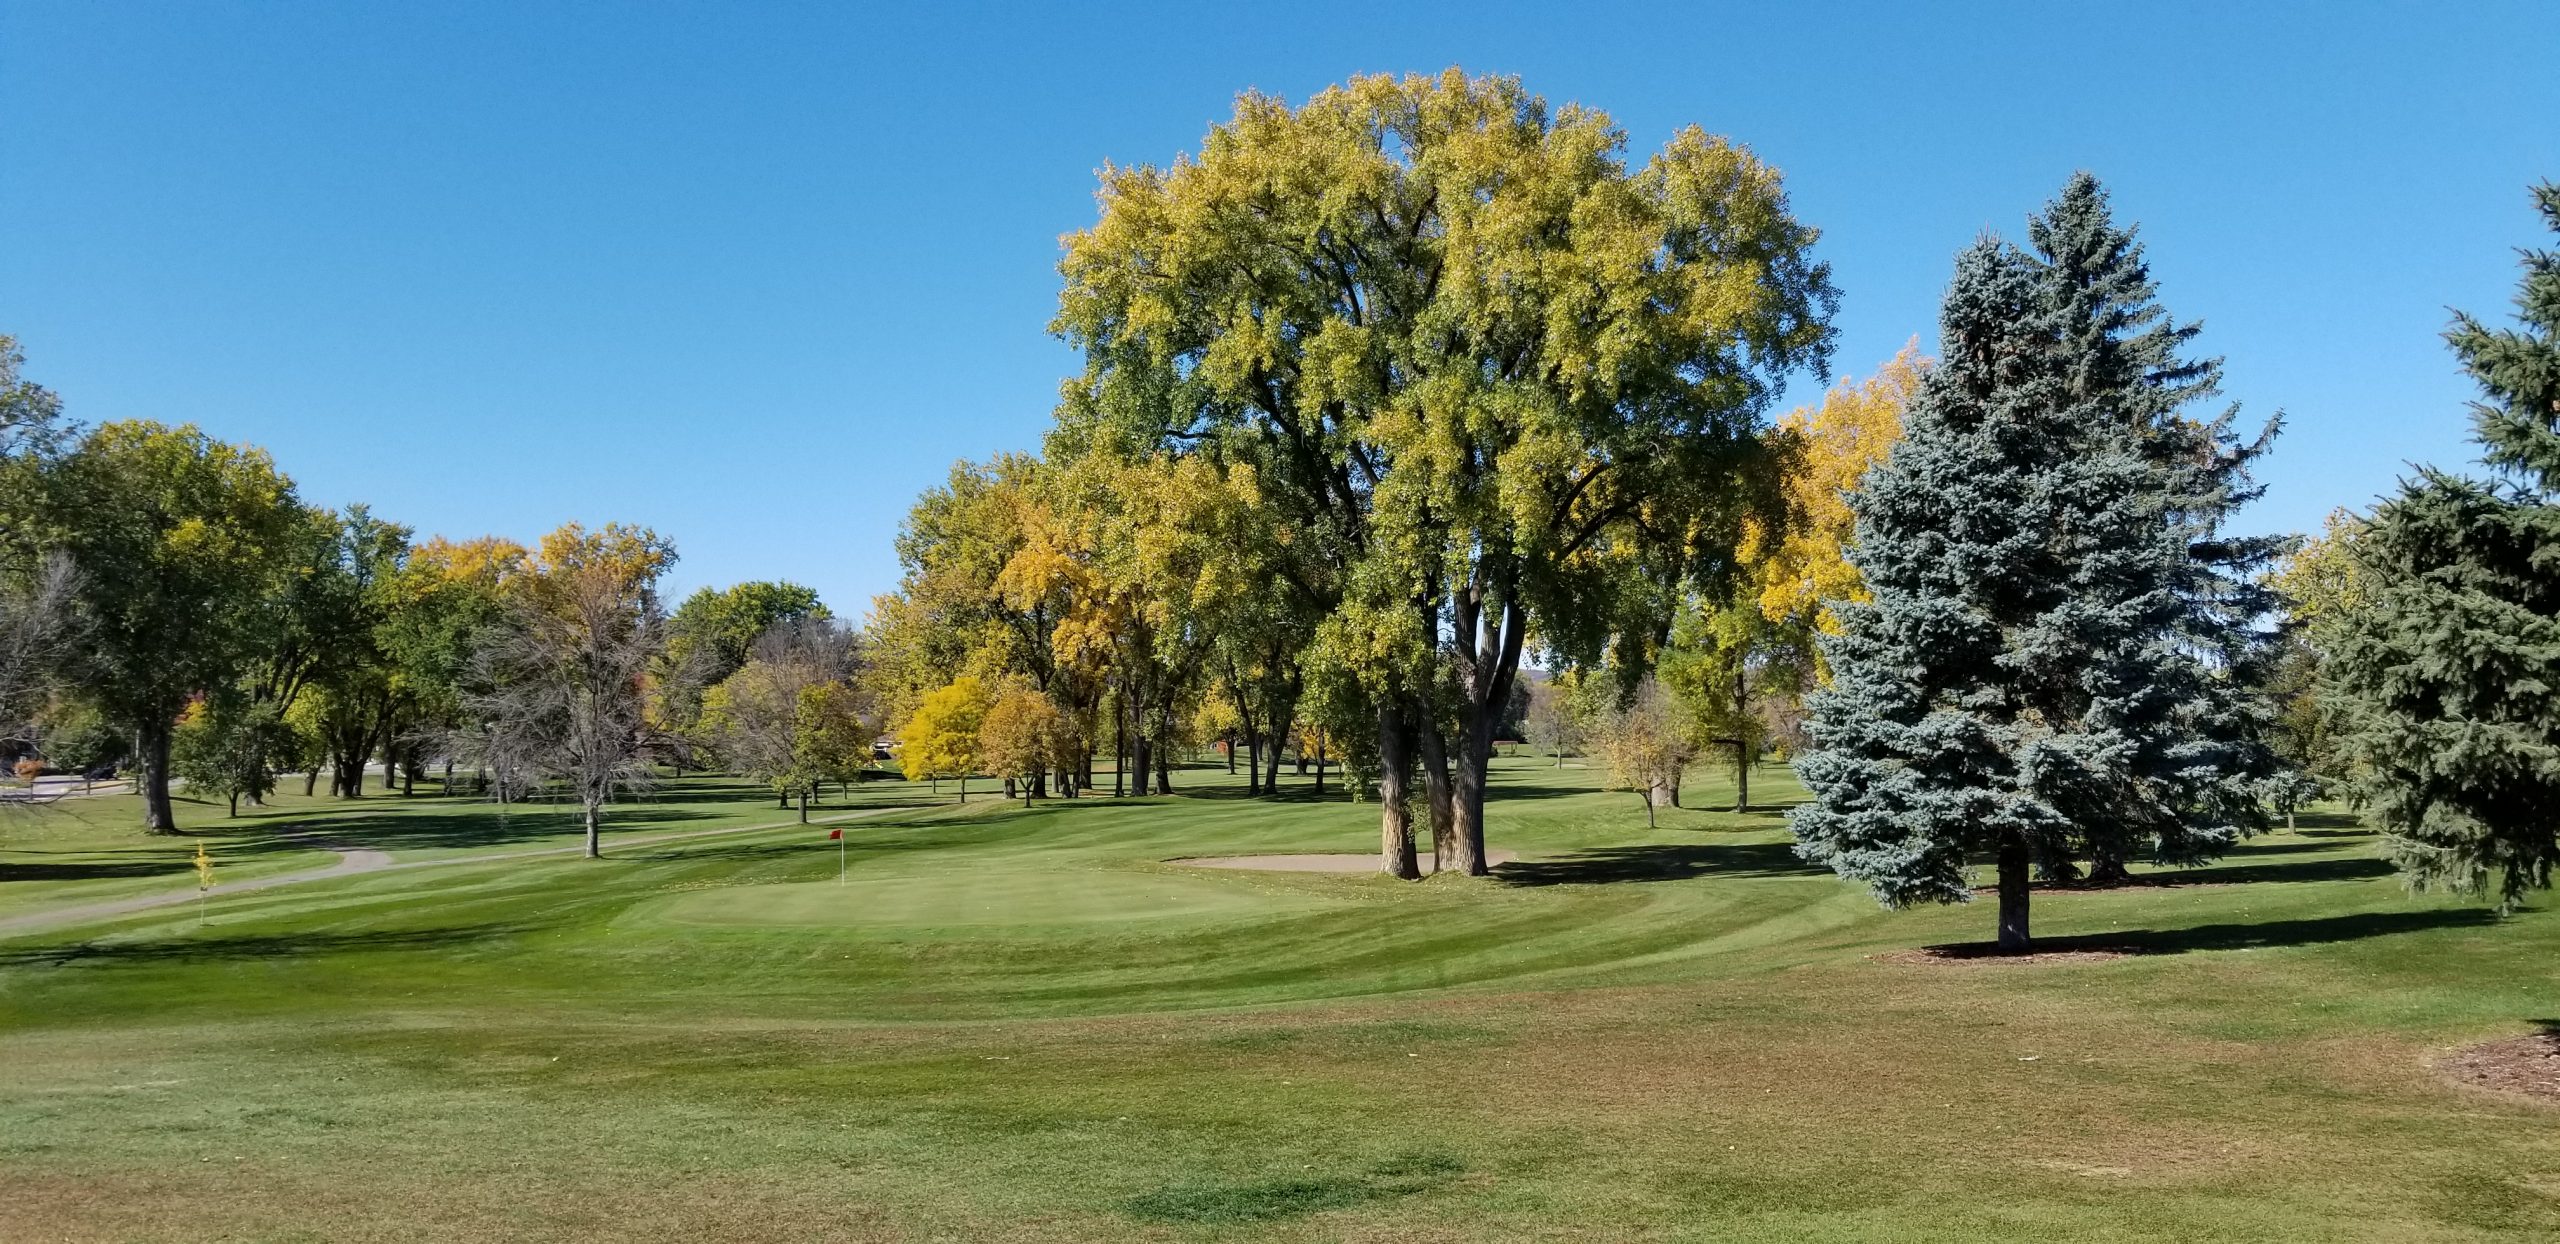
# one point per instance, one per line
(2190, 692)
(2448, 673)
(2062, 656)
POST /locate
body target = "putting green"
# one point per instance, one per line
(977, 902)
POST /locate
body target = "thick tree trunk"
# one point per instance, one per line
(1119, 754)
(311, 780)
(782, 799)
(1252, 762)
(2014, 861)
(1662, 792)
(1467, 797)
(1395, 815)
(1437, 796)
(1231, 758)
(153, 744)
(595, 831)
(804, 807)
(1491, 656)
(1164, 768)
(1742, 784)
(1139, 758)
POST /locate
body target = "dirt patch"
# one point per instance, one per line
(1986, 952)
(1346, 863)
(2518, 1066)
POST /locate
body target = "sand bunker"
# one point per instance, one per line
(1365, 863)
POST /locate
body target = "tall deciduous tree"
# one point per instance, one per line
(1491, 366)
(179, 541)
(2449, 674)
(560, 684)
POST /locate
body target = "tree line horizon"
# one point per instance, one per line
(1383, 394)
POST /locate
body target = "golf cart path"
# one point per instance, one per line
(353, 860)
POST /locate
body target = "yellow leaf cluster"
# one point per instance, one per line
(1801, 564)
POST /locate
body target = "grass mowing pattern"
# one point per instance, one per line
(1026, 1026)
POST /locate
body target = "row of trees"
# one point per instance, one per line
(170, 605)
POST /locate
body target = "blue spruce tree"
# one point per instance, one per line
(2191, 693)
(2060, 658)
(2448, 682)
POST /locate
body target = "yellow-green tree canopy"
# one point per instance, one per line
(941, 736)
(1018, 737)
(1489, 371)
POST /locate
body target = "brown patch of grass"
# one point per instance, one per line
(2526, 1066)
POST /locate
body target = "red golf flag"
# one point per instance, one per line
(834, 834)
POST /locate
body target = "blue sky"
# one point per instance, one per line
(755, 274)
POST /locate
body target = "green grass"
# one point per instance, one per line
(1011, 1024)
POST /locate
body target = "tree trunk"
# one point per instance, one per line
(1119, 753)
(1742, 784)
(595, 832)
(157, 816)
(1467, 796)
(1252, 763)
(1395, 818)
(235, 805)
(1231, 758)
(1164, 768)
(2106, 863)
(1662, 792)
(804, 807)
(2013, 893)
(1647, 796)
(1138, 765)
(1437, 796)
(964, 786)
(311, 780)
(782, 798)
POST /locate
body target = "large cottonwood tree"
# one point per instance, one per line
(1492, 366)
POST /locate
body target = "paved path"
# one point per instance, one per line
(352, 860)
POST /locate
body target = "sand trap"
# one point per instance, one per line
(1366, 863)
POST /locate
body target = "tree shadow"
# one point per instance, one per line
(257, 946)
(1683, 862)
(95, 870)
(2357, 868)
(2264, 935)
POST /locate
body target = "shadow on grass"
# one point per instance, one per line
(2361, 868)
(259, 946)
(1231, 1203)
(1683, 862)
(95, 870)
(2268, 934)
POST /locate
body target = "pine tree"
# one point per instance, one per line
(2191, 686)
(1927, 743)
(2062, 659)
(2448, 675)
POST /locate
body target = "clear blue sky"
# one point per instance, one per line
(754, 275)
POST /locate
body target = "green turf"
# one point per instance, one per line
(1029, 1025)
